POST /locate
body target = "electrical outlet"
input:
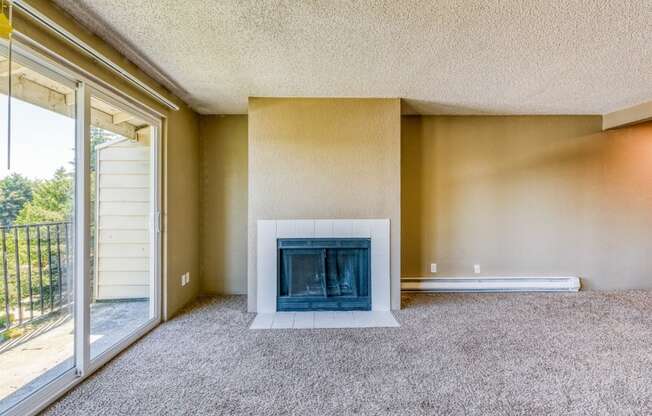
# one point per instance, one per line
(476, 268)
(185, 278)
(433, 267)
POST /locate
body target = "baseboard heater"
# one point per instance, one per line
(490, 284)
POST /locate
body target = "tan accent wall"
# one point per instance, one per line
(223, 259)
(180, 153)
(548, 195)
(324, 158)
(181, 210)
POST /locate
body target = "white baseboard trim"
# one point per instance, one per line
(490, 284)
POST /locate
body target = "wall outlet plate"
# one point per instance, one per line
(476, 268)
(433, 267)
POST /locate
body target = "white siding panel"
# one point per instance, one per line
(126, 278)
(140, 264)
(124, 236)
(124, 167)
(123, 250)
(124, 195)
(124, 153)
(124, 181)
(124, 222)
(124, 208)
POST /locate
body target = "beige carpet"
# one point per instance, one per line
(588, 353)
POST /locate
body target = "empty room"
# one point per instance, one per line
(325, 207)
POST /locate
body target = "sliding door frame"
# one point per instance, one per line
(63, 382)
(86, 86)
(82, 232)
(155, 249)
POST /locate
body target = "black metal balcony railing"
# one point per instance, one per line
(36, 259)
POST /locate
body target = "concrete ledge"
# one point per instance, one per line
(627, 116)
(490, 284)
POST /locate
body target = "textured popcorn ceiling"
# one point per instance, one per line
(443, 57)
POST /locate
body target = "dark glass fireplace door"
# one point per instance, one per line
(324, 274)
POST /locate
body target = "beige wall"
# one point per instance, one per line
(517, 195)
(181, 205)
(223, 259)
(527, 196)
(180, 153)
(324, 158)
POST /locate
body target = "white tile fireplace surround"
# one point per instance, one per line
(266, 256)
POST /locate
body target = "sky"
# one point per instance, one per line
(41, 142)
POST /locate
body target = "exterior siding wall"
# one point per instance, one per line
(122, 246)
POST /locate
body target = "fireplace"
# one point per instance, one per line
(271, 235)
(323, 274)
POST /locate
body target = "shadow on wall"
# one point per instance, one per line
(527, 195)
(411, 107)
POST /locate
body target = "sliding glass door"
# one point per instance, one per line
(123, 222)
(79, 227)
(37, 200)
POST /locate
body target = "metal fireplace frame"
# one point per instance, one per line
(322, 303)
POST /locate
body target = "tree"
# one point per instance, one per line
(48, 200)
(51, 201)
(15, 193)
(98, 136)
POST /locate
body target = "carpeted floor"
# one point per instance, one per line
(588, 353)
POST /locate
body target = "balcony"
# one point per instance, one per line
(37, 309)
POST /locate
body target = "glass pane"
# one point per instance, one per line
(121, 202)
(36, 208)
(302, 273)
(323, 274)
(343, 272)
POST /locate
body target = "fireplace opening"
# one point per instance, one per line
(324, 274)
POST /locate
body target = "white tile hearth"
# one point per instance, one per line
(316, 320)
(303, 320)
(283, 320)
